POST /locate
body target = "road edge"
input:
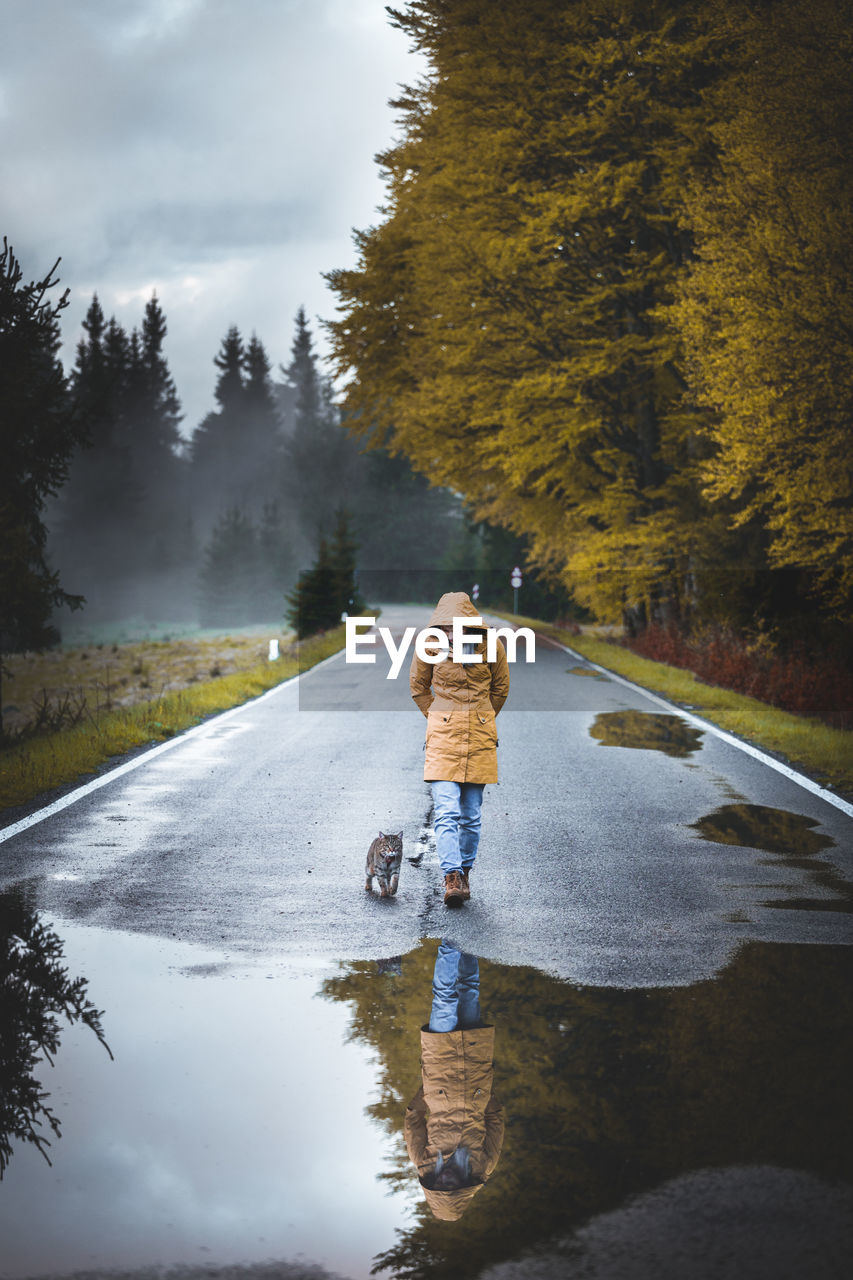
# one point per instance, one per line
(708, 726)
(142, 757)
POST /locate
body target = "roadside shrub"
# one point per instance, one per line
(794, 680)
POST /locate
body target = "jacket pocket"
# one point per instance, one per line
(487, 721)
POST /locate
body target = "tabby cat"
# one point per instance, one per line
(383, 861)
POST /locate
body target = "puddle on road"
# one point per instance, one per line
(258, 1112)
(647, 731)
(37, 996)
(794, 842)
(229, 1128)
(588, 671)
(760, 827)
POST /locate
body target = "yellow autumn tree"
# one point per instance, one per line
(766, 311)
(502, 325)
(529, 325)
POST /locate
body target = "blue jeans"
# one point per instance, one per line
(455, 989)
(456, 822)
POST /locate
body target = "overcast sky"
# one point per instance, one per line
(218, 151)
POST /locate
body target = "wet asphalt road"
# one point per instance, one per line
(600, 863)
(691, 1092)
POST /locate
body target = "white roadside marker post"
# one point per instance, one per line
(515, 580)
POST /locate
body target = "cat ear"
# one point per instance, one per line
(399, 835)
(381, 835)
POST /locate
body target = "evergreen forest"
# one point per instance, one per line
(219, 527)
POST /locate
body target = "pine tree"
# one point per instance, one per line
(229, 361)
(119, 357)
(40, 430)
(329, 588)
(312, 606)
(343, 550)
(320, 457)
(215, 441)
(120, 521)
(95, 521)
(236, 452)
(303, 374)
(276, 561)
(215, 448)
(155, 403)
(229, 577)
(262, 436)
(150, 428)
(258, 391)
(166, 548)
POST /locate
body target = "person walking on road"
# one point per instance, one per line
(460, 702)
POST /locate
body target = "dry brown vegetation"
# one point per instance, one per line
(64, 752)
(106, 677)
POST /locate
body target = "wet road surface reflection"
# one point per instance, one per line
(227, 1130)
(794, 842)
(648, 731)
(258, 1112)
(608, 1094)
(454, 1127)
(37, 995)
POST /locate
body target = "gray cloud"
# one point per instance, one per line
(218, 150)
(182, 229)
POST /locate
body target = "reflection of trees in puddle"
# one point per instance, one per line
(609, 1093)
(790, 836)
(35, 990)
(587, 671)
(645, 730)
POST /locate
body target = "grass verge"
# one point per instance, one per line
(60, 687)
(805, 743)
(42, 763)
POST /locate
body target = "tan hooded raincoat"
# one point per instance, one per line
(460, 702)
(455, 1107)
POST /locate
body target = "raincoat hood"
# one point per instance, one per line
(455, 604)
(450, 1205)
(455, 1106)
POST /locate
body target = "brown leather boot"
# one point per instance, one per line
(454, 893)
(466, 888)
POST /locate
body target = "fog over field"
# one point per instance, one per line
(197, 167)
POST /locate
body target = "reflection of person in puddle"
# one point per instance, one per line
(454, 1124)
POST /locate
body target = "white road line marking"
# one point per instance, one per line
(799, 778)
(6, 833)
